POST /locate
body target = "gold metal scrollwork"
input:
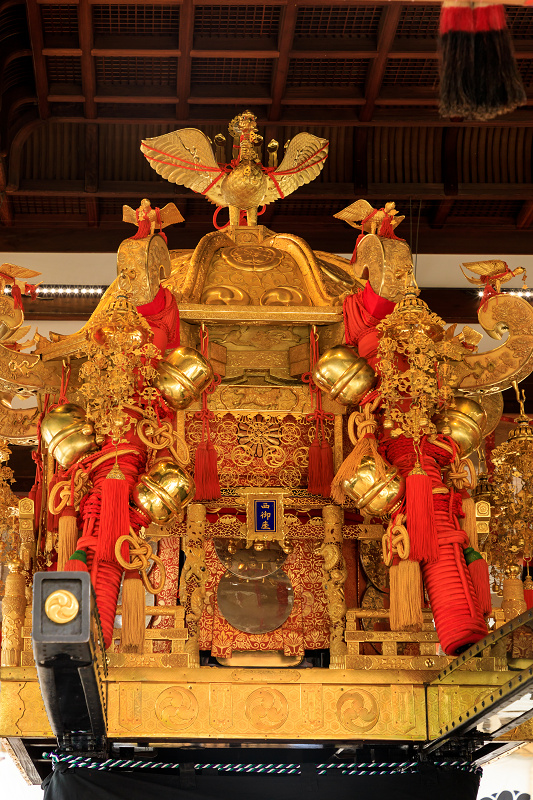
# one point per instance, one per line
(395, 542)
(63, 490)
(163, 437)
(140, 554)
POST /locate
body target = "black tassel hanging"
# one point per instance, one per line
(498, 87)
(456, 52)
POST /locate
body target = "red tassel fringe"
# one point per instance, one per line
(206, 472)
(479, 572)
(421, 518)
(314, 480)
(114, 517)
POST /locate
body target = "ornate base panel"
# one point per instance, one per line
(264, 704)
(257, 704)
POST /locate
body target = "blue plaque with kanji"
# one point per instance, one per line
(265, 516)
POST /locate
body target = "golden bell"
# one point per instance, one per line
(344, 375)
(467, 420)
(182, 377)
(67, 434)
(163, 491)
(374, 497)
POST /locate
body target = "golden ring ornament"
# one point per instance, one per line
(61, 606)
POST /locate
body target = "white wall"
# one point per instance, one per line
(100, 268)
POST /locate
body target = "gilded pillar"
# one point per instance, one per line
(513, 603)
(334, 577)
(13, 609)
(27, 539)
(193, 578)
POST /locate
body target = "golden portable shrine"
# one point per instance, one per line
(255, 515)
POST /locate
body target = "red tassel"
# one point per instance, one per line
(314, 480)
(114, 514)
(326, 467)
(528, 595)
(479, 573)
(77, 562)
(421, 517)
(206, 472)
(386, 230)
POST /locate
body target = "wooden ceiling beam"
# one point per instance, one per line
(92, 158)
(39, 62)
(281, 67)
(186, 35)
(525, 215)
(6, 206)
(450, 164)
(88, 71)
(142, 52)
(135, 99)
(441, 214)
(360, 161)
(312, 192)
(93, 211)
(390, 18)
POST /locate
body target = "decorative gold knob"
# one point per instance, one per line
(61, 606)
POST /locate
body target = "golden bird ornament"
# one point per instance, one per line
(148, 219)
(493, 273)
(363, 216)
(186, 157)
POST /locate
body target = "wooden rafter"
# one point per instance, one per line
(88, 73)
(388, 25)
(449, 161)
(39, 62)
(183, 86)
(525, 215)
(441, 214)
(281, 66)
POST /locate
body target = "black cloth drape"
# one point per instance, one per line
(87, 784)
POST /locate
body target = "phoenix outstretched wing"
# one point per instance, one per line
(486, 268)
(303, 161)
(170, 215)
(128, 215)
(355, 212)
(185, 157)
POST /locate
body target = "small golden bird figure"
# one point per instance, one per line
(11, 310)
(493, 273)
(147, 218)
(186, 157)
(363, 216)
